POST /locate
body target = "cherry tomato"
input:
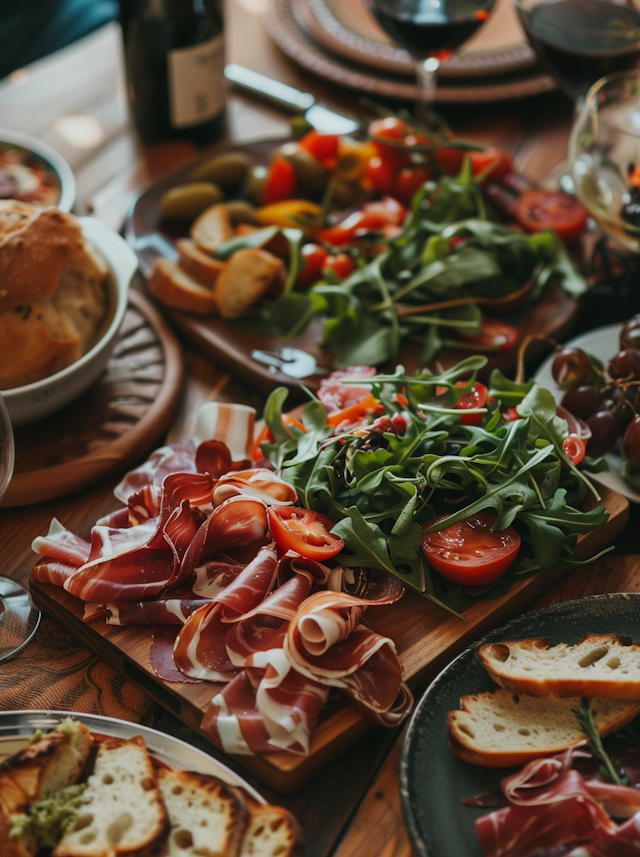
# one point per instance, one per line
(450, 160)
(280, 182)
(390, 128)
(408, 180)
(388, 207)
(492, 155)
(323, 147)
(303, 531)
(574, 448)
(494, 335)
(469, 552)
(382, 175)
(346, 231)
(355, 412)
(475, 398)
(341, 264)
(510, 415)
(265, 434)
(416, 139)
(313, 259)
(538, 210)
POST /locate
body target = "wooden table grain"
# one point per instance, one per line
(75, 101)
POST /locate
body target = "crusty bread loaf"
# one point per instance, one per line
(81, 295)
(272, 831)
(212, 228)
(201, 266)
(599, 665)
(249, 274)
(122, 810)
(171, 285)
(502, 728)
(207, 816)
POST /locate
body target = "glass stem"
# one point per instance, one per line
(427, 74)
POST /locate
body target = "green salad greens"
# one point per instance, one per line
(381, 487)
(422, 287)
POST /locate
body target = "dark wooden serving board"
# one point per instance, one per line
(426, 636)
(231, 343)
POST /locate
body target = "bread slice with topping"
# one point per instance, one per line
(599, 665)
(207, 816)
(502, 728)
(272, 831)
(122, 811)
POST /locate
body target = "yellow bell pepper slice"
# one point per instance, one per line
(296, 213)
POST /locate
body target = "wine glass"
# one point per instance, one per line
(580, 41)
(430, 30)
(19, 619)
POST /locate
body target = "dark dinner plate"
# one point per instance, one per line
(265, 361)
(433, 781)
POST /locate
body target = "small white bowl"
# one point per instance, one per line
(34, 401)
(52, 160)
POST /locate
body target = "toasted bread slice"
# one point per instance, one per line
(271, 832)
(175, 288)
(249, 274)
(599, 665)
(503, 728)
(207, 815)
(122, 809)
(212, 228)
(201, 266)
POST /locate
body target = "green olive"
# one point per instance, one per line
(241, 211)
(311, 175)
(189, 200)
(226, 170)
(344, 193)
(254, 190)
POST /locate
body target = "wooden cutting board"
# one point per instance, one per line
(426, 636)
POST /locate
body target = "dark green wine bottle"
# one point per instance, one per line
(174, 52)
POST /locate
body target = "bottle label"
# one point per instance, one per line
(196, 83)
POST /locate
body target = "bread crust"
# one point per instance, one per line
(175, 288)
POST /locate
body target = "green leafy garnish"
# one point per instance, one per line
(608, 770)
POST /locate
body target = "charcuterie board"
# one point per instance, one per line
(426, 636)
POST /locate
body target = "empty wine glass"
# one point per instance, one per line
(430, 30)
(19, 619)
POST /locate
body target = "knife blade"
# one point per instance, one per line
(321, 116)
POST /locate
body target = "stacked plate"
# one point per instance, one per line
(342, 43)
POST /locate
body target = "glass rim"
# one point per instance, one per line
(592, 103)
(520, 5)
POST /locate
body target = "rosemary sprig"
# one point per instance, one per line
(585, 720)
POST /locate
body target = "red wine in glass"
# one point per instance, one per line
(430, 30)
(580, 41)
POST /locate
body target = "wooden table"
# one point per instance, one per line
(74, 100)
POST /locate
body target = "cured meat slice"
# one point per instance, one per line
(335, 395)
(160, 611)
(259, 483)
(63, 545)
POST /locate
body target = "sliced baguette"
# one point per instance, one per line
(122, 810)
(201, 266)
(206, 815)
(271, 832)
(249, 274)
(175, 288)
(212, 228)
(599, 665)
(502, 728)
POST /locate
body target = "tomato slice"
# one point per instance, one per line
(494, 335)
(538, 210)
(303, 531)
(493, 163)
(313, 259)
(323, 147)
(475, 398)
(574, 448)
(470, 552)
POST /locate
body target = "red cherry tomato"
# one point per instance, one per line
(341, 264)
(323, 147)
(408, 180)
(450, 160)
(390, 128)
(475, 398)
(388, 207)
(347, 231)
(265, 434)
(510, 415)
(494, 335)
(574, 448)
(469, 552)
(495, 161)
(382, 175)
(303, 531)
(280, 182)
(313, 259)
(538, 210)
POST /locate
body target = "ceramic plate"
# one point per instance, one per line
(433, 781)
(351, 31)
(17, 726)
(602, 343)
(483, 85)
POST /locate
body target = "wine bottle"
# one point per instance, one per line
(174, 51)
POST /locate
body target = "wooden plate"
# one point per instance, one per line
(232, 344)
(114, 422)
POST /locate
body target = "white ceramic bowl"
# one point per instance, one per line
(52, 160)
(34, 401)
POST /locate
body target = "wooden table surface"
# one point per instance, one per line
(74, 100)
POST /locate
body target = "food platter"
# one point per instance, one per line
(16, 727)
(433, 781)
(603, 344)
(236, 346)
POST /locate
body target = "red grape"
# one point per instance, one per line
(631, 442)
(570, 367)
(630, 334)
(582, 401)
(605, 429)
(625, 365)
